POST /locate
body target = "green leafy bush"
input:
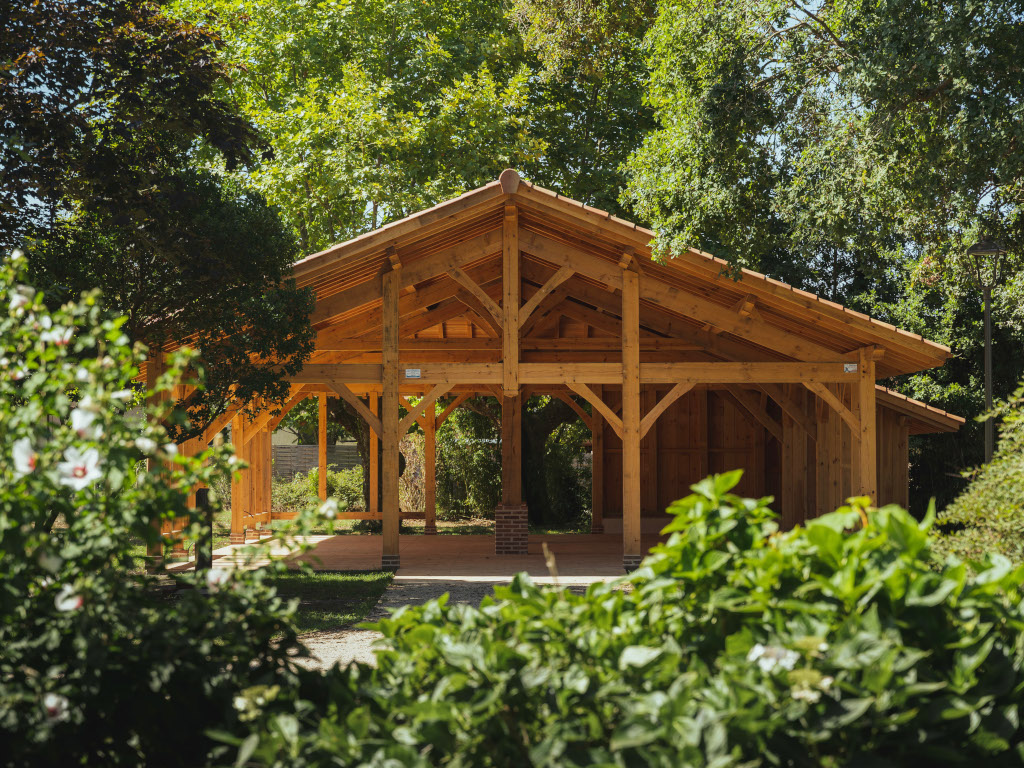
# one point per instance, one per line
(989, 515)
(345, 486)
(99, 664)
(834, 644)
(468, 466)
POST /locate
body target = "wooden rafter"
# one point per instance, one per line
(358, 406)
(836, 404)
(670, 397)
(479, 293)
(584, 416)
(296, 398)
(591, 397)
(563, 274)
(791, 409)
(750, 403)
(415, 412)
(472, 302)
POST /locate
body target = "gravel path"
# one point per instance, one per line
(349, 644)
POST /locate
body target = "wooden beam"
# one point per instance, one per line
(239, 483)
(344, 372)
(791, 409)
(670, 397)
(597, 468)
(511, 449)
(511, 286)
(479, 293)
(373, 503)
(680, 301)
(563, 274)
(570, 373)
(455, 256)
(358, 406)
(867, 436)
(631, 492)
(836, 404)
(747, 401)
(747, 373)
(391, 434)
(565, 255)
(584, 416)
(321, 441)
(599, 405)
(430, 475)
(417, 411)
(299, 395)
(484, 317)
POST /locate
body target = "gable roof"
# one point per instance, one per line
(691, 288)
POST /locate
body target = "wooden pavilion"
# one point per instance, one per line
(512, 290)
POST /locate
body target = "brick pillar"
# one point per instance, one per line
(511, 533)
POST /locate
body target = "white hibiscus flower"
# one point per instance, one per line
(145, 445)
(56, 706)
(83, 422)
(21, 297)
(24, 457)
(329, 509)
(79, 468)
(67, 599)
(216, 577)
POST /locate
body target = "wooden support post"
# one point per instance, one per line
(511, 450)
(631, 547)
(649, 455)
(239, 483)
(321, 441)
(597, 469)
(511, 533)
(430, 471)
(373, 502)
(867, 446)
(511, 287)
(389, 420)
(155, 366)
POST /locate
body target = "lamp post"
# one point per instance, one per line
(985, 258)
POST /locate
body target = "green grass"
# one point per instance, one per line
(332, 599)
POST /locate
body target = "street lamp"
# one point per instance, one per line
(985, 258)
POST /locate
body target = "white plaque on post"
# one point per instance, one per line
(412, 373)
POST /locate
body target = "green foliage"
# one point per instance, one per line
(567, 476)
(587, 100)
(212, 265)
(374, 109)
(855, 150)
(345, 485)
(737, 644)
(95, 96)
(468, 465)
(98, 658)
(989, 516)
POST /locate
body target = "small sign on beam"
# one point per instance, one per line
(849, 367)
(415, 373)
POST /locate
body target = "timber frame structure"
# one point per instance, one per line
(678, 368)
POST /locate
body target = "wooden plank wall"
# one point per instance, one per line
(706, 432)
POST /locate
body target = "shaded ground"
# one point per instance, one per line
(328, 600)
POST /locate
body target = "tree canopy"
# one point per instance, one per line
(855, 150)
(111, 111)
